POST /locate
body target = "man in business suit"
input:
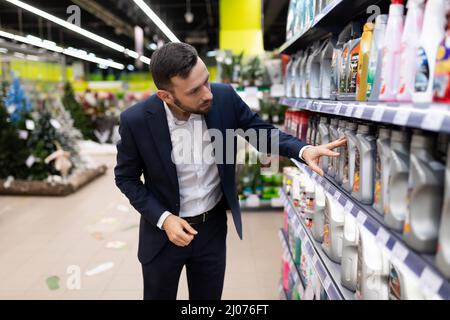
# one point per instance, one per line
(183, 203)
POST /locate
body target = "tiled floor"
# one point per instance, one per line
(65, 237)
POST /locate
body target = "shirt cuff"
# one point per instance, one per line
(162, 219)
(301, 152)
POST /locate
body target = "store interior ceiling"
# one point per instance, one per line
(192, 21)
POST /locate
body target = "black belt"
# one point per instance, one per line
(205, 216)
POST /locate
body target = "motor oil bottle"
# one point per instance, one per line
(396, 208)
(312, 69)
(433, 32)
(348, 173)
(333, 231)
(341, 159)
(425, 195)
(443, 248)
(324, 138)
(441, 87)
(402, 285)
(303, 73)
(334, 135)
(350, 253)
(315, 85)
(297, 74)
(326, 70)
(376, 58)
(319, 215)
(364, 171)
(350, 33)
(372, 270)
(353, 62)
(382, 162)
(363, 64)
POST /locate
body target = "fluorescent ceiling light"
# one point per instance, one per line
(156, 20)
(49, 45)
(3, 50)
(145, 60)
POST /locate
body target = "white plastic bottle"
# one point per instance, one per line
(376, 58)
(333, 231)
(410, 44)
(390, 75)
(350, 253)
(319, 215)
(433, 32)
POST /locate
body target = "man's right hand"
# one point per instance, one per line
(178, 230)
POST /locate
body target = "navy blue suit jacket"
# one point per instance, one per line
(145, 148)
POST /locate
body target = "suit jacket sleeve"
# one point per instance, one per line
(128, 173)
(289, 146)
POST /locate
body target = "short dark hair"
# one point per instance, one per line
(171, 60)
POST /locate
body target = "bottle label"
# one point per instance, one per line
(378, 185)
(345, 178)
(357, 173)
(441, 86)
(395, 289)
(423, 71)
(343, 67)
(353, 70)
(407, 224)
(326, 226)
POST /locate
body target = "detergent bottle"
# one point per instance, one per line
(376, 58)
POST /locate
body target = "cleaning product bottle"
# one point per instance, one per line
(334, 135)
(350, 156)
(353, 62)
(410, 44)
(396, 206)
(319, 215)
(350, 253)
(323, 138)
(326, 70)
(363, 64)
(441, 85)
(390, 75)
(425, 195)
(433, 32)
(443, 248)
(373, 270)
(364, 172)
(341, 159)
(376, 58)
(382, 163)
(333, 231)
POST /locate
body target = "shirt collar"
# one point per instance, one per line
(173, 120)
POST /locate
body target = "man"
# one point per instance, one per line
(183, 203)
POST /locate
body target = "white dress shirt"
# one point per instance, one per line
(198, 177)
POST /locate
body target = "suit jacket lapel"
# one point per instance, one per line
(214, 121)
(159, 128)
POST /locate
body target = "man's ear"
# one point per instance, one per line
(165, 96)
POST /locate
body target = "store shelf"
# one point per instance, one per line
(275, 203)
(421, 266)
(433, 117)
(329, 272)
(331, 20)
(287, 252)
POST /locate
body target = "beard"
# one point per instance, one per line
(201, 110)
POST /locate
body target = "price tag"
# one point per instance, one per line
(349, 111)
(327, 283)
(29, 124)
(401, 117)
(348, 207)
(377, 114)
(337, 195)
(431, 280)
(314, 259)
(433, 121)
(359, 112)
(337, 109)
(400, 251)
(382, 236)
(361, 218)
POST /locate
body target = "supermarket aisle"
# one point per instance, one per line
(41, 237)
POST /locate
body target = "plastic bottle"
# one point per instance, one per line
(323, 138)
(352, 31)
(364, 172)
(402, 286)
(297, 75)
(376, 58)
(303, 73)
(382, 163)
(334, 135)
(390, 75)
(443, 248)
(410, 44)
(363, 64)
(341, 160)
(425, 195)
(441, 87)
(315, 84)
(289, 78)
(349, 156)
(333, 231)
(433, 32)
(373, 270)
(319, 215)
(296, 178)
(353, 62)
(396, 208)
(350, 253)
(326, 70)
(312, 71)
